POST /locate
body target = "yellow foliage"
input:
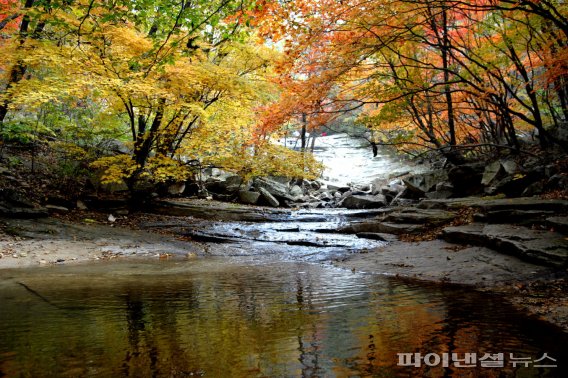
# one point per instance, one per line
(70, 150)
(162, 169)
(115, 169)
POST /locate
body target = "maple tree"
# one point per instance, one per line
(188, 81)
(168, 69)
(448, 75)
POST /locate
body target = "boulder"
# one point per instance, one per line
(176, 189)
(16, 205)
(514, 185)
(115, 147)
(224, 184)
(425, 182)
(377, 185)
(533, 189)
(391, 191)
(326, 197)
(492, 172)
(363, 202)
(248, 197)
(510, 167)
(466, 179)
(296, 191)
(558, 181)
(268, 197)
(98, 185)
(211, 172)
(275, 188)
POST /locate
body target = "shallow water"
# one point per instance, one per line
(243, 318)
(350, 160)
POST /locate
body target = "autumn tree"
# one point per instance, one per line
(451, 75)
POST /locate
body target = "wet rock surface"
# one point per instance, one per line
(543, 247)
(440, 261)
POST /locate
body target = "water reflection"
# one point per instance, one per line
(277, 320)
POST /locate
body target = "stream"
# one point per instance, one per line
(349, 160)
(265, 302)
(237, 317)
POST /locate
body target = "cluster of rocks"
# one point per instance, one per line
(501, 177)
(532, 229)
(285, 192)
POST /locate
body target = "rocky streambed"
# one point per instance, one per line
(498, 244)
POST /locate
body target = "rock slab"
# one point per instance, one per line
(541, 247)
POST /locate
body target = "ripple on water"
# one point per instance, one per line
(223, 318)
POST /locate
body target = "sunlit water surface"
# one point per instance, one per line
(223, 318)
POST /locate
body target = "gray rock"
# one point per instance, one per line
(392, 190)
(364, 188)
(399, 201)
(421, 216)
(219, 211)
(325, 196)
(177, 188)
(466, 179)
(559, 224)
(56, 209)
(425, 182)
(397, 174)
(275, 188)
(521, 203)
(363, 202)
(493, 171)
(439, 194)
(114, 146)
(81, 205)
(296, 191)
(558, 181)
(341, 189)
(542, 247)
(510, 167)
(444, 186)
(211, 172)
(269, 198)
(376, 185)
(377, 236)
(381, 227)
(516, 216)
(248, 197)
(280, 179)
(437, 261)
(533, 189)
(226, 183)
